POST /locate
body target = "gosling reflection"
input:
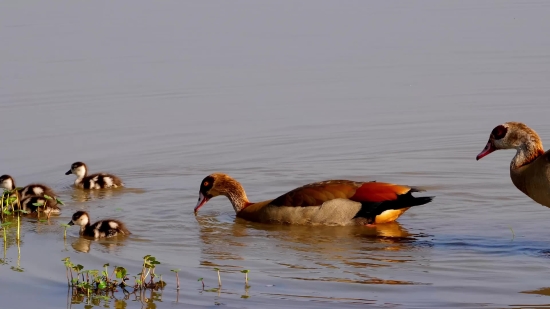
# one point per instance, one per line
(84, 244)
(80, 195)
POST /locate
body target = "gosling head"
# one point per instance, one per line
(6, 182)
(79, 169)
(80, 218)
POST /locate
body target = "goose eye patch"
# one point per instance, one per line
(499, 132)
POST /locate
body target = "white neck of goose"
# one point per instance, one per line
(529, 149)
(236, 195)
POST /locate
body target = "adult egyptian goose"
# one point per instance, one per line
(7, 182)
(331, 202)
(530, 167)
(94, 181)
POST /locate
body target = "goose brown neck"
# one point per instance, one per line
(234, 191)
(528, 151)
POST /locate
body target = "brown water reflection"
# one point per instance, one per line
(319, 247)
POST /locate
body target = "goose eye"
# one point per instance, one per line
(206, 183)
(499, 132)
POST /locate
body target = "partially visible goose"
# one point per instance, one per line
(48, 207)
(331, 202)
(7, 182)
(100, 229)
(530, 167)
(94, 181)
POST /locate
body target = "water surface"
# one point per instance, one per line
(279, 94)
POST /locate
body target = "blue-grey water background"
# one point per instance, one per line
(279, 94)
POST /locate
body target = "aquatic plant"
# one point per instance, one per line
(9, 199)
(202, 281)
(149, 263)
(177, 278)
(65, 226)
(94, 283)
(245, 272)
(219, 278)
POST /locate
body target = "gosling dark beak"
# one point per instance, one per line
(71, 223)
(68, 172)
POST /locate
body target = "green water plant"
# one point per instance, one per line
(65, 227)
(245, 272)
(202, 281)
(92, 282)
(177, 278)
(148, 270)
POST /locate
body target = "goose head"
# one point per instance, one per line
(221, 184)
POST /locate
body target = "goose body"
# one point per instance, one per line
(331, 202)
(7, 182)
(100, 229)
(94, 181)
(530, 167)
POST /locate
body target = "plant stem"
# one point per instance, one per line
(18, 224)
(177, 281)
(219, 279)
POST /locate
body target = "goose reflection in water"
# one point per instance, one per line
(316, 249)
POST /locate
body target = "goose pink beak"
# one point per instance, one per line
(202, 200)
(487, 150)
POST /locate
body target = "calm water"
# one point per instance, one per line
(279, 94)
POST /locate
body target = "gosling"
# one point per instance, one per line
(7, 182)
(100, 229)
(94, 181)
